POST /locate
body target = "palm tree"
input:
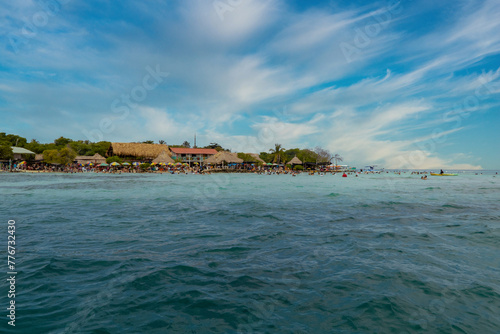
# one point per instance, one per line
(279, 153)
(162, 142)
(337, 158)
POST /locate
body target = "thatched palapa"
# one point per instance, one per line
(257, 158)
(294, 161)
(223, 156)
(95, 159)
(164, 158)
(136, 150)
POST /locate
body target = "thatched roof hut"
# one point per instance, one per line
(95, 159)
(257, 158)
(223, 156)
(163, 157)
(136, 150)
(39, 157)
(294, 161)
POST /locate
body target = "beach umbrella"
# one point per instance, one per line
(178, 164)
(154, 163)
(135, 163)
(104, 164)
(115, 164)
(125, 164)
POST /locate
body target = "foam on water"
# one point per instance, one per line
(254, 253)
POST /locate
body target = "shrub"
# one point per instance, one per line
(6, 151)
(114, 159)
(144, 166)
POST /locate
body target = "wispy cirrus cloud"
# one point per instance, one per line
(227, 77)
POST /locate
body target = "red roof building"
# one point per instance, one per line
(193, 151)
(192, 155)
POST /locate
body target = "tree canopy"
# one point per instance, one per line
(215, 146)
(64, 156)
(81, 147)
(278, 153)
(6, 151)
(323, 155)
(114, 159)
(247, 158)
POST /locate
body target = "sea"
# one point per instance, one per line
(249, 253)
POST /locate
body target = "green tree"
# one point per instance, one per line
(114, 159)
(215, 146)
(307, 155)
(66, 156)
(6, 151)
(246, 157)
(267, 157)
(148, 142)
(79, 147)
(13, 140)
(186, 144)
(144, 166)
(290, 153)
(35, 146)
(278, 153)
(51, 156)
(61, 141)
(101, 147)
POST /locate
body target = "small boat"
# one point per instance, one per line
(444, 174)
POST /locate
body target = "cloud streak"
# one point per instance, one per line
(228, 77)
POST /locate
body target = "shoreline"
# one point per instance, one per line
(243, 171)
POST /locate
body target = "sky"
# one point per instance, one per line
(409, 84)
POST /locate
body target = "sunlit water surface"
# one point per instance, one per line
(253, 253)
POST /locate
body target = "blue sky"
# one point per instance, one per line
(410, 84)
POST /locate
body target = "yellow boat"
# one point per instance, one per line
(444, 174)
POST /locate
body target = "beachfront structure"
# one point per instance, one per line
(294, 161)
(224, 157)
(21, 153)
(136, 151)
(192, 155)
(95, 159)
(257, 158)
(163, 158)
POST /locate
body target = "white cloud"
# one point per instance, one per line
(227, 75)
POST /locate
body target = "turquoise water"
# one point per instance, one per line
(253, 253)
